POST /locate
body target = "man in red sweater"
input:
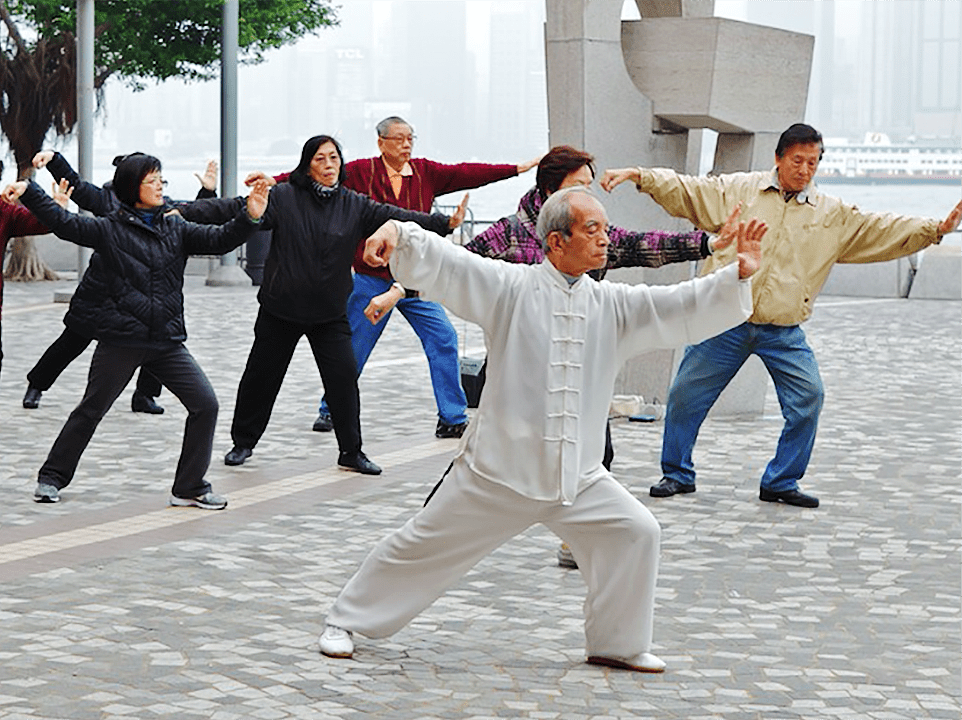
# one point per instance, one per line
(413, 183)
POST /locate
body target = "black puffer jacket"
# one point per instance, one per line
(83, 315)
(307, 273)
(134, 293)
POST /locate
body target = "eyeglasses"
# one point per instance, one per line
(400, 138)
(154, 180)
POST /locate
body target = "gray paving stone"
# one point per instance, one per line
(764, 611)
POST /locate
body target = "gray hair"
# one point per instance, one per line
(384, 126)
(556, 213)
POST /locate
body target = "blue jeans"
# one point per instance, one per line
(437, 335)
(708, 367)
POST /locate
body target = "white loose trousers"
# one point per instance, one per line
(613, 536)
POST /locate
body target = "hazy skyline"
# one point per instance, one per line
(475, 93)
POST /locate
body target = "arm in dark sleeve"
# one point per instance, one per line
(204, 194)
(85, 231)
(219, 239)
(88, 196)
(211, 211)
(465, 176)
(376, 214)
(654, 248)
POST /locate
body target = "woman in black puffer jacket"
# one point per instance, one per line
(317, 224)
(138, 304)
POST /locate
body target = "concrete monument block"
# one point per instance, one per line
(729, 76)
(939, 276)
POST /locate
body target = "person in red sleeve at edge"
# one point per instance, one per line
(17, 221)
(413, 183)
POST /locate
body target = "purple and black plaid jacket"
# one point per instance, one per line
(515, 240)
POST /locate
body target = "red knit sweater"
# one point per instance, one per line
(429, 179)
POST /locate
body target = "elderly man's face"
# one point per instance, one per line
(797, 166)
(397, 145)
(587, 246)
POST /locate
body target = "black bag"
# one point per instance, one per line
(472, 379)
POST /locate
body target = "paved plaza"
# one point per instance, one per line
(114, 605)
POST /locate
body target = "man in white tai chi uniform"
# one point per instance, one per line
(556, 339)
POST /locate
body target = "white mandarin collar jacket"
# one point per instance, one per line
(554, 351)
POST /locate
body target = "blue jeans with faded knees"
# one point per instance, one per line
(708, 367)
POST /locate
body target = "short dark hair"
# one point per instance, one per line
(799, 134)
(131, 171)
(301, 176)
(559, 162)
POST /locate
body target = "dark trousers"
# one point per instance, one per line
(111, 368)
(63, 351)
(270, 356)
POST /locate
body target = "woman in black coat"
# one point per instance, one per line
(75, 336)
(317, 224)
(138, 304)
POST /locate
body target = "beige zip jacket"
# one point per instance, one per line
(806, 235)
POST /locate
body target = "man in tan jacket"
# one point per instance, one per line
(807, 234)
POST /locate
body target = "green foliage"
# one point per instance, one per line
(141, 40)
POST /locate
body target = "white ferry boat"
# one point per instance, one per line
(878, 160)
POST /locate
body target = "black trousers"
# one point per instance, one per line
(63, 351)
(270, 356)
(111, 368)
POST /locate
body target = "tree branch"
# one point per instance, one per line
(12, 28)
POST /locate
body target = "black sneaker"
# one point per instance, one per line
(31, 399)
(237, 455)
(139, 402)
(323, 422)
(450, 430)
(358, 462)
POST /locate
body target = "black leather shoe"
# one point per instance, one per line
(31, 400)
(323, 423)
(668, 487)
(789, 497)
(450, 430)
(145, 404)
(237, 455)
(358, 462)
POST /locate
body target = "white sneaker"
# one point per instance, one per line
(46, 493)
(336, 642)
(207, 501)
(642, 662)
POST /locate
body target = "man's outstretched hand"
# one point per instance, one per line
(951, 223)
(380, 246)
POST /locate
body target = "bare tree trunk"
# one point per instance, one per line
(25, 263)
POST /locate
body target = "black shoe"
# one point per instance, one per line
(668, 487)
(789, 497)
(145, 404)
(237, 455)
(323, 422)
(31, 400)
(358, 462)
(450, 430)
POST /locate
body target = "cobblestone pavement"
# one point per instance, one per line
(115, 606)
